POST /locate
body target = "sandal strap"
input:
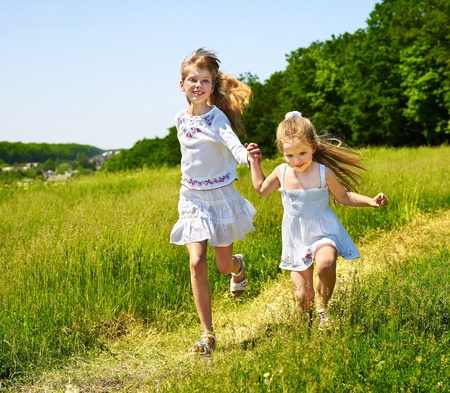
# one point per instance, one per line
(211, 336)
(204, 348)
(240, 258)
(238, 286)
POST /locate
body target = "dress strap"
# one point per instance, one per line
(323, 182)
(282, 171)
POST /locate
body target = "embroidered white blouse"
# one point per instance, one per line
(210, 150)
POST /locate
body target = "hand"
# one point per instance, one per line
(253, 153)
(380, 200)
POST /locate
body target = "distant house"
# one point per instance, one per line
(99, 161)
(20, 168)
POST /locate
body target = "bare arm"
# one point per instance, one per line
(262, 185)
(350, 198)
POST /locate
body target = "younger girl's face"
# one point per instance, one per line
(298, 155)
(197, 85)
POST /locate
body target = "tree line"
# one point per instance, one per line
(20, 153)
(387, 84)
(20, 161)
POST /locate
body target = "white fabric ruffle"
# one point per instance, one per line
(220, 216)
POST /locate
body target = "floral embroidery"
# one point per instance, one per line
(347, 254)
(208, 182)
(307, 259)
(195, 125)
(192, 132)
(209, 119)
(287, 262)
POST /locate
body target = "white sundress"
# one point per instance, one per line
(308, 223)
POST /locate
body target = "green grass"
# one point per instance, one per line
(80, 260)
(391, 334)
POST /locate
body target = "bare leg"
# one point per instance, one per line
(304, 288)
(227, 264)
(326, 273)
(199, 282)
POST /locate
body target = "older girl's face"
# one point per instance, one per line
(197, 85)
(298, 155)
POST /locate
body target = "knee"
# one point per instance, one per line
(197, 266)
(326, 268)
(223, 270)
(305, 294)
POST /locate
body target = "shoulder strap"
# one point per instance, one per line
(282, 170)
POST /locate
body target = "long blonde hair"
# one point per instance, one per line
(230, 94)
(345, 162)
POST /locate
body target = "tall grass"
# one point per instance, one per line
(391, 334)
(80, 261)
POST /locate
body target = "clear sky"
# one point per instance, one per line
(106, 72)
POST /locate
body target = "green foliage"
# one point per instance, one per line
(9, 177)
(386, 85)
(22, 172)
(149, 153)
(21, 153)
(259, 119)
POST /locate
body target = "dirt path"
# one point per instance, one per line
(147, 354)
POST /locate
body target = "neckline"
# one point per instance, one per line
(323, 185)
(203, 115)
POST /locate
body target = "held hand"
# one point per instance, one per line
(253, 153)
(380, 200)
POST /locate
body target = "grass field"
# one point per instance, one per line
(88, 273)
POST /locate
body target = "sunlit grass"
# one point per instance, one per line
(81, 262)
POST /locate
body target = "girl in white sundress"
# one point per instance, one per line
(210, 209)
(311, 231)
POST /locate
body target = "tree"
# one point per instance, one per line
(425, 67)
(148, 152)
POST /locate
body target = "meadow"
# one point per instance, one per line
(85, 264)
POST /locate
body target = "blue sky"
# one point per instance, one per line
(106, 72)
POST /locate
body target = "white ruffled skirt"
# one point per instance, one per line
(220, 216)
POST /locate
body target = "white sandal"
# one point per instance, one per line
(324, 322)
(202, 347)
(238, 286)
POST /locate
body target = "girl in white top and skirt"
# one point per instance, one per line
(210, 209)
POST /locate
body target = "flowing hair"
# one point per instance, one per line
(344, 162)
(230, 95)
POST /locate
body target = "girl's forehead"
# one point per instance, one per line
(295, 144)
(196, 71)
